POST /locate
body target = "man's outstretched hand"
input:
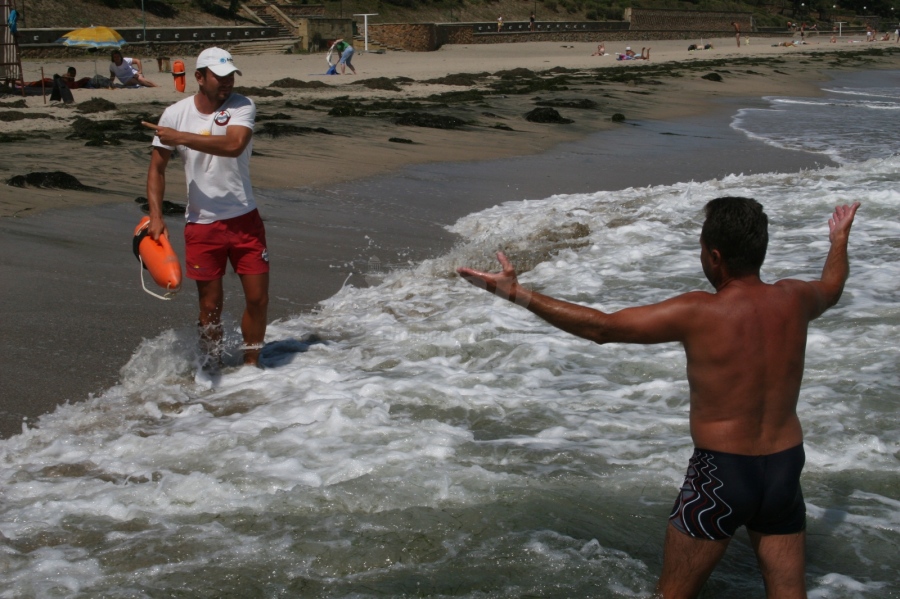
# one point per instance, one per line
(840, 222)
(503, 284)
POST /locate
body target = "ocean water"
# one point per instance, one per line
(420, 438)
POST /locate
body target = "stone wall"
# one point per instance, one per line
(414, 37)
(318, 34)
(684, 20)
(644, 25)
(299, 11)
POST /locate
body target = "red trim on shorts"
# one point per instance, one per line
(240, 240)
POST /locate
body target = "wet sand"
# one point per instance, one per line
(72, 308)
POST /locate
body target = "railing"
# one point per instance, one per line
(549, 26)
(172, 35)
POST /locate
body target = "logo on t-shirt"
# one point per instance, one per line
(222, 118)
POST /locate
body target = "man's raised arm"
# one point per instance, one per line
(656, 323)
(837, 264)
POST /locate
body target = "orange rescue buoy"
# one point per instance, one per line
(179, 75)
(159, 258)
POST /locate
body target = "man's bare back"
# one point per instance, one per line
(745, 346)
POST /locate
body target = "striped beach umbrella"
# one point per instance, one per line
(92, 37)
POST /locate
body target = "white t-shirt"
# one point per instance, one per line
(218, 187)
(124, 71)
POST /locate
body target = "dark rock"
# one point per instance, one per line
(50, 180)
(382, 83)
(95, 105)
(424, 119)
(461, 79)
(275, 130)
(290, 104)
(110, 132)
(545, 114)
(347, 110)
(259, 92)
(583, 103)
(518, 73)
(278, 116)
(291, 83)
(168, 208)
(470, 95)
(15, 115)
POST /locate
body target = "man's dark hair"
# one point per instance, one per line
(739, 229)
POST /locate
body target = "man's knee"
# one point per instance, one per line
(258, 301)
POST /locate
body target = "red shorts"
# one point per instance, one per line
(240, 240)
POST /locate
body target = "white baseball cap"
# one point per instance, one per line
(218, 61)
(628, 47)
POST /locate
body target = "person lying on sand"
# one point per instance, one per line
(630, 55)
(71, 82)
(693, 47)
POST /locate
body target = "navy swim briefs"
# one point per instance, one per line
(724, 491)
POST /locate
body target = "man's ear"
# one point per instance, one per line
(715, 257)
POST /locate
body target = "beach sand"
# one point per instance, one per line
(72, 309)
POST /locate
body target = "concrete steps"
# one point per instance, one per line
(359, 44)
(280, 45)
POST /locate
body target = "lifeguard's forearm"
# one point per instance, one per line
(156, 190)
(229, 146)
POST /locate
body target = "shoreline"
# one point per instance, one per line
(77, 314)
(339, 149)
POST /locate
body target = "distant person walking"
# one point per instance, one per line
(737, 33)
(531, 23)
(499, 23)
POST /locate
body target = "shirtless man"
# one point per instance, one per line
(737, 32)
(745, 347)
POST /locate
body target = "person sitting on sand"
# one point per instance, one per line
(129, 71)
(886, 37)
(601, 50)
